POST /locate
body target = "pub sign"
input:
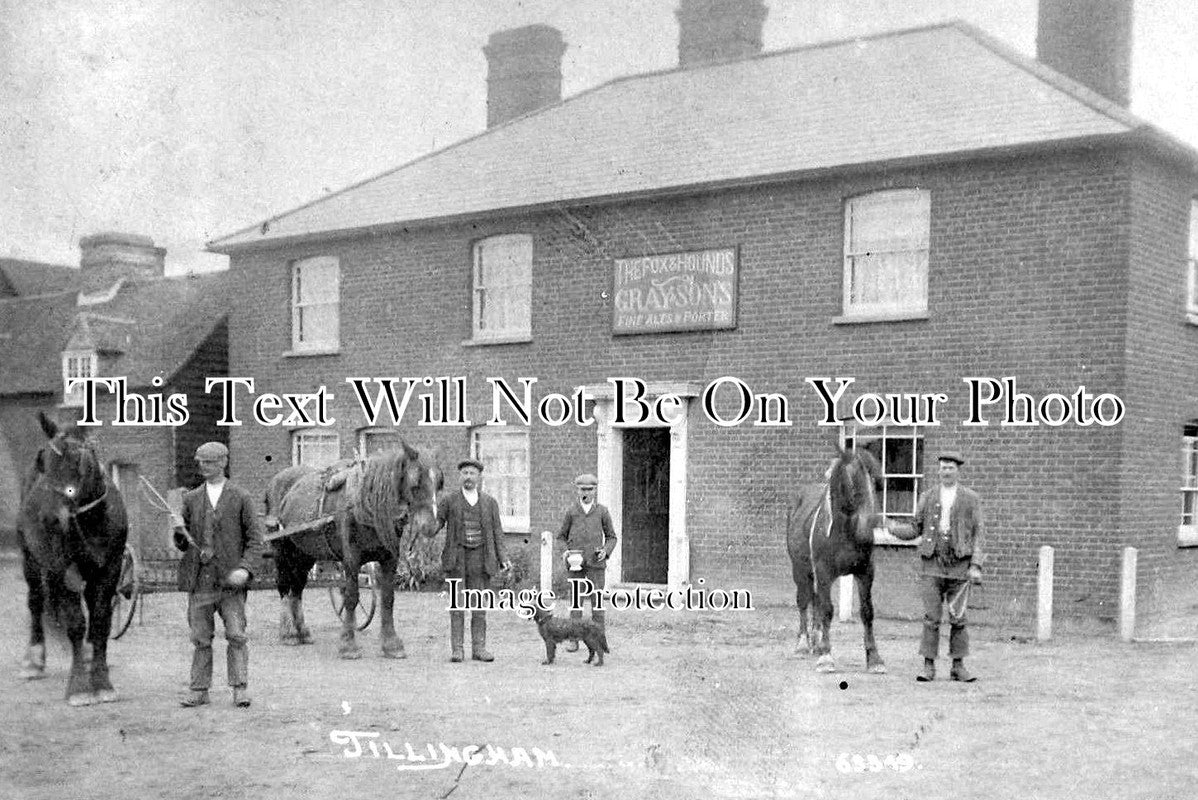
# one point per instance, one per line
(689, 291)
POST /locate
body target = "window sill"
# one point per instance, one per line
(513, 338)
(883, 538)
(315, 351)
(1192, 317)
(1187, 535)
(855, 317)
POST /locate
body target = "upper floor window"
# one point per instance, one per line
(886, 237)
(1192, 293)
(504, 453)
(314, 448)
(899, 451)
(502, 288)
(1187, 533)
(75, 365)
(315, 304)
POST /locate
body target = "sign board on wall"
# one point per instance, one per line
(691, 291)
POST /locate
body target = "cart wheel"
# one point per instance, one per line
(128, 592)
(367, 596)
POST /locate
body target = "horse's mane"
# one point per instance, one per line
(379, 503)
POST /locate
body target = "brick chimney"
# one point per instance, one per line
(106, 257)
(711, 31)
(1090, 41)
(524, 71)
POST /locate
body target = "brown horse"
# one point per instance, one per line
(829, 533)
(369, 514)
(72, 527)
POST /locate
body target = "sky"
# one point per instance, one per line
(186, 120)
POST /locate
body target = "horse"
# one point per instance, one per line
(72, 527)
(829, 533)
(370, 503)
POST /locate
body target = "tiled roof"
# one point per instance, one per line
(27, 278)
(151, 327)
(927, 92)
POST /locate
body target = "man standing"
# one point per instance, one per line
(948, 524)
(473, 552)
(587, 528)
(221, 539)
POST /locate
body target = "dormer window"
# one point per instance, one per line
(75, 365)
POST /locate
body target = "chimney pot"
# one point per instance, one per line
(524, 71)
(1089, 41)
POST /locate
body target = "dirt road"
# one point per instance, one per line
(689, 704)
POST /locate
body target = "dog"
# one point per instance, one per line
(574, 630)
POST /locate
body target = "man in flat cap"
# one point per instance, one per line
(948, 524)
(587, 528)
(221, 539)
(474, 553)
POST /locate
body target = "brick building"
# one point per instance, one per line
(117, 315)
(909, 209)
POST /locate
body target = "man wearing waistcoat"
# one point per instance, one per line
(948, 524)
(221, 539)
(587, 527)
(474, 552)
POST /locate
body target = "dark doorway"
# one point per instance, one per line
(646, 534)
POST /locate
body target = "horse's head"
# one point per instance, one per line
(68, 466)
(420, 480)
(853, 486)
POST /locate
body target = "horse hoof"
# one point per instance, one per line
(77, 700)
(106, 696)
(304, 638)
(395, 653)
(825, 664)
(878, 669)
(31, 673)
(350, 653)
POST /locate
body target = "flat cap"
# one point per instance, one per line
(951, 455)
(586, 479)
(209, 451)
(471, 462)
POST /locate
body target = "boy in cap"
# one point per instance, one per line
(221, 539)
(948, 524)
(473, 552)
(587, 527)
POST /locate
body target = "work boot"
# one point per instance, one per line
(241, 697)
(929, 671)
(478, 637)
(457, 625)
(196, 697)
(959, 673)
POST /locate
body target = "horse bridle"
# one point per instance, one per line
(66, 492)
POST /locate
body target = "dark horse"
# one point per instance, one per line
(72, 527)
(829, 533)
(370, 507)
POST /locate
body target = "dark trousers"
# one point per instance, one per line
(474, 577)
(598, 577)
(950, 593)
(202, 605)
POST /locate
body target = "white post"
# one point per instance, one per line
(1044, 602)
(846, 598)
(546, 561)
(1127, 595)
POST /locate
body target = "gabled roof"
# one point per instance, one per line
(26, 278)
(149, 328)
(926, 92)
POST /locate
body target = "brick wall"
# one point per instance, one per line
(1028, 278)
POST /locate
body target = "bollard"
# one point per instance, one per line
(546, 561)
(1127, 595)
(846, 598)
(1044, 601)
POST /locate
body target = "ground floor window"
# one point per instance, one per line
(1187, 532)
(376, 440)
(900, 452)
(505, 456)
(315, 449)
